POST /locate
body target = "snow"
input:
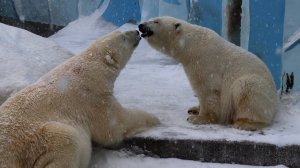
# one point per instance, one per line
(124, 159)
(150, 81)
(79, 34)
(24, 57)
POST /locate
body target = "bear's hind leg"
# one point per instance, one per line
(248, 125)
(254, 101)
(203, 118)
(206, 112)
(246, 119)
(66, 147)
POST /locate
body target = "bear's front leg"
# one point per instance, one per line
(136, 121)
(205, 118)
(194, 110)
(207, 112)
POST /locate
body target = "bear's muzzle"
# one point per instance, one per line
(145, 30)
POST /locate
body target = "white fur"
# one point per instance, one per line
(233, 85)
(52, 122)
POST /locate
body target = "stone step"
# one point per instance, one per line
(217, 151)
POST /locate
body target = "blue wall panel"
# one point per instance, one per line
(266, 33)
(121, 11)
(175, 8)
(63, 11)
(149, 9)
(207, 13)
(7, 9)
(34, 10)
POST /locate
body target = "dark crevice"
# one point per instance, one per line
(41, 29)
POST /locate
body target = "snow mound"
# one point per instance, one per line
(79, 34)
(25, 57)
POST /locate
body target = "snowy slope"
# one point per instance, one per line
(24, 57)
(82, 32)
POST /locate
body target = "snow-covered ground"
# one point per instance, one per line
(124, 159)
(157, 84)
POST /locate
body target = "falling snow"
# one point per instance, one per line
(152, 82)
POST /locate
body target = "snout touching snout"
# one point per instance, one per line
(138, 34)
(138, 37)
(133, 32)
(145, 30)
(134, 35)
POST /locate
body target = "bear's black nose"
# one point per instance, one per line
(141, 27)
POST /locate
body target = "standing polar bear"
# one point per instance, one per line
(52, 122)
(233, 85)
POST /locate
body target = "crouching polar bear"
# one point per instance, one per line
(52, 122)
(233, 85)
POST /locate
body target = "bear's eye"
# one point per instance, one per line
(123, 38)
(156, 21)
(177, 25)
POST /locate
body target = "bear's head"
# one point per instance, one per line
(119, 47)
(163, 33)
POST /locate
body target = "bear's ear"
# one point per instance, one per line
(177, 27)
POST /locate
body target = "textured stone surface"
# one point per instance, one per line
(244, 152)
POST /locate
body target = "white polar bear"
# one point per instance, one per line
(233, 85)
(52, 122)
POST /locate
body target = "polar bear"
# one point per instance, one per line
(52, 122)
(233, 86)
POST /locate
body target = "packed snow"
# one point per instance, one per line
(125, 159)
(24, 57)
(79, 34)
(150, 81)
